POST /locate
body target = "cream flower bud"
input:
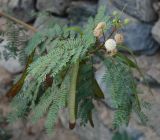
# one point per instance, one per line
(119, 38)
(98, 32)
(101, 25)
(110, 46)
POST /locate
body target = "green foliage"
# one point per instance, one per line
(58, 103)
(122, 136)
(88, 91)
(62, 75)
(121, 91)
(16, 39)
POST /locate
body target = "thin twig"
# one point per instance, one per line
(113, 31)
(25, 25)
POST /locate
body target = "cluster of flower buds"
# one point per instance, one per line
(117, 21)
(98, 31)
(110, 44)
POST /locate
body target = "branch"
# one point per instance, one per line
(25, 25)
(72, 96)
(18, 85)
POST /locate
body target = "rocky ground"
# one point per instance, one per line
(142, 35)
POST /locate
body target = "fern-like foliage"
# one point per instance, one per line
(121, 86)
(62, 75)
(88, 91)
(16, 39)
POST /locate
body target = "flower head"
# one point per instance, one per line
(110, 46)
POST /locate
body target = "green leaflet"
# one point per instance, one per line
(76, 29)
(127, 61)
(87, 91)
(122, 87)
(121, 136)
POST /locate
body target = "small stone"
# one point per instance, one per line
(155, 73)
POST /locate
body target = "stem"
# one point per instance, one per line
(97, 49)
(72, 96)
(104, 38)
(25, 25)
(18, 85)
(113, 31)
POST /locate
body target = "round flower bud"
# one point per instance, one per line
(119, 38)
(114, 21)
(110, 46)
(98, 32)
(101, 25)
(115, 13)
(126, 21)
